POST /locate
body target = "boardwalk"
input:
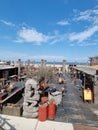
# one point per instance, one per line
(72, 114)
(74, 110)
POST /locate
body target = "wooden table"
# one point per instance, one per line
(10, 95)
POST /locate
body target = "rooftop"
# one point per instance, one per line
(86, 69)
(2, 67)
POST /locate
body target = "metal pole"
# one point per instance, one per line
(84, 81)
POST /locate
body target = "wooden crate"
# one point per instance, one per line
(12, 109)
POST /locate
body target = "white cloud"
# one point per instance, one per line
(80, 37)
(14, 56)
(90, 15)
(31, 35)
(7, 23)
(90, 19)
(87, 44)
(95, 11)
(84, 16)
(58, 38)
(63, 23)
(78, 60)
(47, 57)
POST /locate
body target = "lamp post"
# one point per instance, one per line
(84, 80)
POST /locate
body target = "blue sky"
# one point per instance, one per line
(48, 29)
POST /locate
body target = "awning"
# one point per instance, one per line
(86, 70)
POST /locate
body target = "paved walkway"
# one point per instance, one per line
(20, 123)
(74, 110)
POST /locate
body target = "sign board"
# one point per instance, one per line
(87, 94)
